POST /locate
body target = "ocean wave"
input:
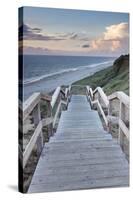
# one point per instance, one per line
(106, 63)
(38, 78)
(79, 68)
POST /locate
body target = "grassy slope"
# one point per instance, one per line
(110, 79)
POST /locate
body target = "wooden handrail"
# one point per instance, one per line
(96, 101)
(124, 129)
(121, 96)
(46, 97)
(123, 101)
(102, 95)
(55, 96)
(32, 104)
(31, 143)
(34, 138)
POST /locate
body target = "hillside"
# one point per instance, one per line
(111, 79)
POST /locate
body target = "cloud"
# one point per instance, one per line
(28, 33)
(34, 50)
(74, 36)
(85, 46)
(113, 39)
(117, 31)
(37, 29)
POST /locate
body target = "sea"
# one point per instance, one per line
(43, 73)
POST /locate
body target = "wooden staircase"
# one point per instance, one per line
(81, 154)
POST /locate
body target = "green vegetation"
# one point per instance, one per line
(111, 79)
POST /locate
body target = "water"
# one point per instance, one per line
(45, 73)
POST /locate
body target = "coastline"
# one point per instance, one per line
(66, 74)
(111, 79)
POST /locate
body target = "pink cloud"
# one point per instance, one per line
(114, 39)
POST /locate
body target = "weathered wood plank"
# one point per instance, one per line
(31, 143)
(102, 95)
(81, 184)
(104, 163)
(81, 174)
(47, 121)
(29, 104)
(55, 96)
(80, 155)
(124, 129)
(121, 96)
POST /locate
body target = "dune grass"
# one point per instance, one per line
(110, 80)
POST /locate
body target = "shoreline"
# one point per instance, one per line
(50, 83)
(80, 80)
(111, 79)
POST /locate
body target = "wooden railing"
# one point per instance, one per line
(32, 107)
(111, 113)
(113, 109)
(99, 99)
(122, 112)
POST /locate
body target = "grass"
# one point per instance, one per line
(110, 80)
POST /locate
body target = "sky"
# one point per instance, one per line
(50, 31)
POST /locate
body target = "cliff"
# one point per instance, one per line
(114, 78)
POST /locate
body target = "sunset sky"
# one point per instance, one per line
(74, 32)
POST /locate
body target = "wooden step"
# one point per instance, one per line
(101, 153)
(72, 166)
(82, 174)
(81, 184)
(80, 155)
(92, 163)
(80, 149)
(54, 139)
(83, 142)
(74, 146)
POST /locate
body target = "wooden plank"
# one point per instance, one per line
(78, 136)
(106, 137)
(46, 97)
(80, 149)
(124, 129)
(55, 96)
(31, 143)
(56, 114)
(84, 150)
(121, 96)
(83, 155)
(102, 95)
(79, 125)
(101, 111)
(102, 163)
(66, 92)
(80, 155)
(81, 184)
(81, 143)
(76, 175)
(29, 104)
(47, 121)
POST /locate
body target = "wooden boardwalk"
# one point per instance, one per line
(80, 155)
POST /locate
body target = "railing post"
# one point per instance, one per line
(109, 113)
(120, 135)
(50, 127)
(37, 119)
(69, 92)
